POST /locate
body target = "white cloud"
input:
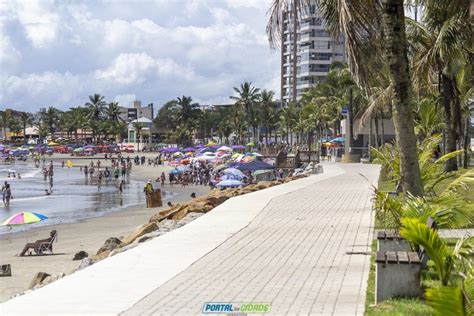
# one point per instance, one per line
(152, 51)
(125, 99)
(41, 26)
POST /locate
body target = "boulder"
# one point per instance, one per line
(144, 229)
(80, 255)
(167, 225)
(85, 263)
(109, 245)
(38, 278)
(122, 249)
(152, 235)
(53, 278)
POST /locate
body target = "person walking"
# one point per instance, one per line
(99, 181)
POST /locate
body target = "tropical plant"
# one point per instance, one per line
(440, 45)
(445, 259)
(248, 97)
(26, 119)
(4, 121)
(138, 127)
(95, 106)
(50, 117)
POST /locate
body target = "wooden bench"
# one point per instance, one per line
(397, 275)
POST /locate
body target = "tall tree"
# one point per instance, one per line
(248, 97)
(441, 42)
(26, 119)
(96, 106)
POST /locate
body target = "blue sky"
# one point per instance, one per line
(56, 53)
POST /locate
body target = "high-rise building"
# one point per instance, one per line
(307, 50)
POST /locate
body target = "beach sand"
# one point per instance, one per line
(87, 235)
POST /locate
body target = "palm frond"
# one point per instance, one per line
(446, 300)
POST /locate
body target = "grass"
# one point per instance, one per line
(393, 307)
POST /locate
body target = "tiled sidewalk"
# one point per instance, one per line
(304, 254)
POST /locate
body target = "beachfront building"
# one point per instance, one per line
(307, 51)
(137, 111)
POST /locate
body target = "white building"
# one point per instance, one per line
(315, 51)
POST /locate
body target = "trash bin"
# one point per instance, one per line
(155, 198)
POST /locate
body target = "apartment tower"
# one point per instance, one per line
(307, 51)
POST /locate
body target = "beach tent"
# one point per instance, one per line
(255, 165)
(234, 172)
(229, 183)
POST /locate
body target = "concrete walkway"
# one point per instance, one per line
(299, 246)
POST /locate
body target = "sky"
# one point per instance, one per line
(57, 53)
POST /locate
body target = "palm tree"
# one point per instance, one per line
(440, 43)
(50, 118)
(26, 118)
(361, 23)
(96, 106)
(248, 97)
(138, 127)
(4, 119)
(267, 111)
(115, 126)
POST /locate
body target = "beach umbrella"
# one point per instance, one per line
(188, 149)
(257, 155)
(199, 146)
(211, 143)
(220, 167)
(234, 172)
(184, 168)
(229, 183)
(338, 140)
(176, 171)
(78, 149)
(224, 148)
(24, 218)
(177, 154)
(251, 144)
(52, 144)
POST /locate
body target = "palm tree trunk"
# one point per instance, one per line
(376, 122)
(382, 132)
(467, 139)
(450, 129)
(396, 52)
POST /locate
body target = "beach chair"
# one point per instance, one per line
(46, 248)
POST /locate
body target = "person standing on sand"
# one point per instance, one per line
(4, 191)
(163, 179)
(116, 173)
(8, 195)
(86, 171)
(148, 190)
(62, 164)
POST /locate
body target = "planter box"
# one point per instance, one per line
(397, 275)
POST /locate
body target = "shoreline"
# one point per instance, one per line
(86, 234)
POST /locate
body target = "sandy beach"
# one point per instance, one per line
(88, 234)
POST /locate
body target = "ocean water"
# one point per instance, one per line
(74, 196)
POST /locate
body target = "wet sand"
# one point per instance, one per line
(87, 235)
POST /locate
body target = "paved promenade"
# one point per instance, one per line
(300, 247)
(295, 255)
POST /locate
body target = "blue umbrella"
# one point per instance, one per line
(338, 140)
(176, 171)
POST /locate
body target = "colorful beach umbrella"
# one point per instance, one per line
(24, 218)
